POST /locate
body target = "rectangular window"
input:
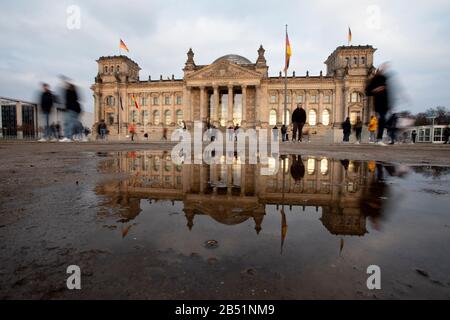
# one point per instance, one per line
(179, 101)
(167, 101)
(155, 101)
(313, 99)
(288, 99)
(327, 99)
(299, 99)
(273, 98)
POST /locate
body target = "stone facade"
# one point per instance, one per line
(258, 99)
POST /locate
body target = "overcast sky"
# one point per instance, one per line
(37, 45)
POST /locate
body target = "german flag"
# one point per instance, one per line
(135, 101)
(349, 35)
(288, 53)
(123, 46)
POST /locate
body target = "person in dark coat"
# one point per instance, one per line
(47, 99)
(414, 136)
(347, 129)
(358, 130)
(297, 168)
(284, 133)
(378, 88)
(72, 114)
(391, 124)
(298, 121)
(446, 135)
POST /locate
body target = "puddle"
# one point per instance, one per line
(310, 230)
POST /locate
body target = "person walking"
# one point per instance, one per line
(284, 137)
(102, 128)
(358, 130)
(47, 99)
(377, 87)
(446, 135)
(73, 110)
(132, 130)
(347, 130)
(275, 133)
(298, 121)
(413, 136)
(373, 126)
(391, 125)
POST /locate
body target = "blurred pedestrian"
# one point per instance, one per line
(392, 127)
(298, 121)
(102, 128)
(164, 137)
(446, 135)
(284, 137)
(378, 88)
(413, 136)
(358, 130)
(72, 112)
(47, 99)
(347, 130)
(373, 126)
(132, 131)
(275, 133)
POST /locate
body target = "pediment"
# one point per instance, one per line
(223, 70)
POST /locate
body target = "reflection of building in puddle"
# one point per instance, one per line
(234, 193)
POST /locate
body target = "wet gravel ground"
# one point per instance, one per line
(49, 219)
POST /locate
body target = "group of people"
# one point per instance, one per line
(73, 128)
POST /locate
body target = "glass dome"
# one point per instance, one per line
(234, 58)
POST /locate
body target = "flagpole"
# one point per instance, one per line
(285, 81)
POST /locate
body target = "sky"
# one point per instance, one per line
(40, 40)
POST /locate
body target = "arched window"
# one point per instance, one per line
(110, 101)
(363, 60)
(355, 97)
(355, 60)
(273, 117)
(167, 118)
(179, 115)
(117, 69)
(288, 117)
(326, 117)
(106, 69)
(156, 117)
(312, 117)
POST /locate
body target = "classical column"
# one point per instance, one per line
(258, 105)
(187, 100)
(216, 115)
(96, 107)
(19, 120)
(319, 111)
(230, 103)
(346, 99)
(305, 103)
(244, 103)
(174, 116)
(202, 105)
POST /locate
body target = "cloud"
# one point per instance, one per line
(36, 44)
